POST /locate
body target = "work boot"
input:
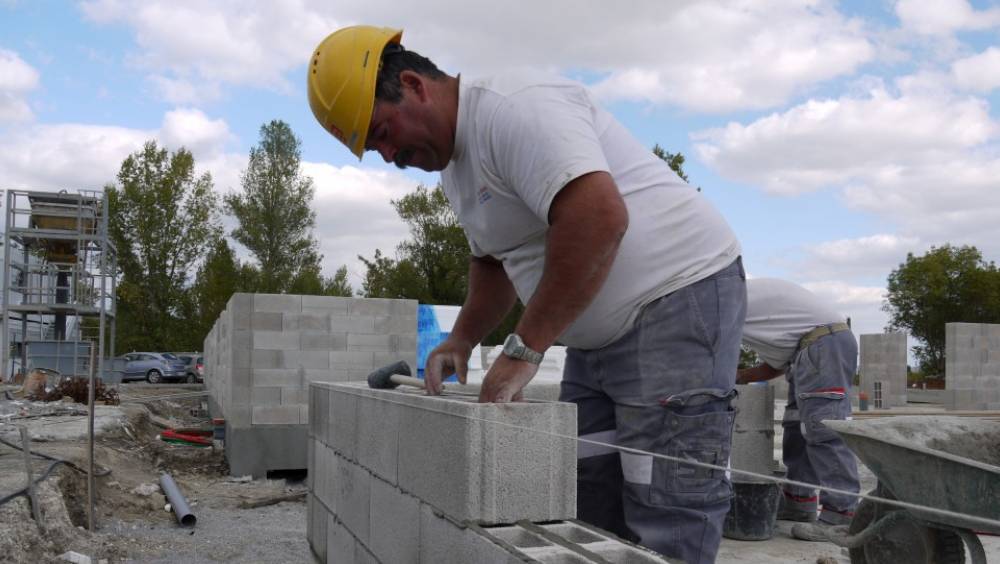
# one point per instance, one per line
(821, 530)
(795, 508)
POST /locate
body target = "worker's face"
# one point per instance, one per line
(407, 133)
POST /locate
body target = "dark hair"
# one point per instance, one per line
(396, 59)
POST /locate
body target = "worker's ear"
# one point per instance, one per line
(414, 81)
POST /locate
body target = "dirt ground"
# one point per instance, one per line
(131, 526)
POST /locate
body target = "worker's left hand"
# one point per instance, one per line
(505, 380)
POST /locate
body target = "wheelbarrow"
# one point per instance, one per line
(947, 463)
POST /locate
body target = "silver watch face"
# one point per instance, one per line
(514, 347)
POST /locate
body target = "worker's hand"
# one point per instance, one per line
(505, 380)
(450, 357)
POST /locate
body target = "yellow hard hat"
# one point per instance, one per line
(342, 76)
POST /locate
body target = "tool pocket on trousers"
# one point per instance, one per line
(704, 437)
(816, 407)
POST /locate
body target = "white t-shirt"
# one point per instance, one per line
(522, 137)
(779, 314)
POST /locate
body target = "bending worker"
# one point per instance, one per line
(796, 334)
(611, 253)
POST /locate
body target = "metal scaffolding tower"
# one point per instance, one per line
(58, 279)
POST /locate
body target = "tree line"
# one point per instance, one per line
(178, 270)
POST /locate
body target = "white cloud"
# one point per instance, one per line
(863, 304)
(708, 56)
(729, 56)
(192, 48)
(194, 130)
(868, 257)
(980, 73)
(944, 17)
(354, 216)
(17, 78)
(69, 155)
(835, 142)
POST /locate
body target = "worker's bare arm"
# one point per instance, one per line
(587, 220)
(760, 373)
(490, 296)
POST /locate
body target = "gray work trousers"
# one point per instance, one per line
(665, 387)
(819, 385)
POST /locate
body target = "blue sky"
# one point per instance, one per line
(834, 136)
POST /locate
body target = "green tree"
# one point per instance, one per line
(273, 211)
(338, 285)
(948, 284)
(432, 265)
(219, 277)
(163, 218)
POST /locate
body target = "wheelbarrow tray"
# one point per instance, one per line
(950, 463)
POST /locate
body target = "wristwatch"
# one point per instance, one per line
(514, 347)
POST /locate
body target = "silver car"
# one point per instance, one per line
(153, 367)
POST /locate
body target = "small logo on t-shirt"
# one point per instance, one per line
(484, 195)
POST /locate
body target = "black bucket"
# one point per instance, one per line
(753, 512)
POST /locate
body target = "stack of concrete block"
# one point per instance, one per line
(972, 366)
(265, 349)
(396, 476)
(753, 432)
(883, 359)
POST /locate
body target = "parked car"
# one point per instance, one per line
(195, 366)
(153, 367)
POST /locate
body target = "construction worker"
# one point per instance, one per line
(612, 253)
(796, 334)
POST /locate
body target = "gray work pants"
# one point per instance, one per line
(819, 385)
(665, 387)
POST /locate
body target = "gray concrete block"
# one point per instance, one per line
(395, 524)
(276, 340)
(282, 303)
(241, 341)
(275, 415)
(267, 359)
(312, 360)
(379, 306)
(352, 359)
(404, 342)
(306, 321)
(266, 321)
(342, 432)
(339, 542)
(352, 497)
(395, 324)
(296, 395)
(363, 556)
(329, 304)
(275, 377)
(265, 396)
(363, 324)
(319, 341)
(753, 431)
(378, 428)
(496, 472)
(362, 342)
(259, 449)
(316, 527)
(443, 541)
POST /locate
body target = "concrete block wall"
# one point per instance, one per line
(753, 432)
(400, 477)
(972, 365)
(265, 349)
(883, 359)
